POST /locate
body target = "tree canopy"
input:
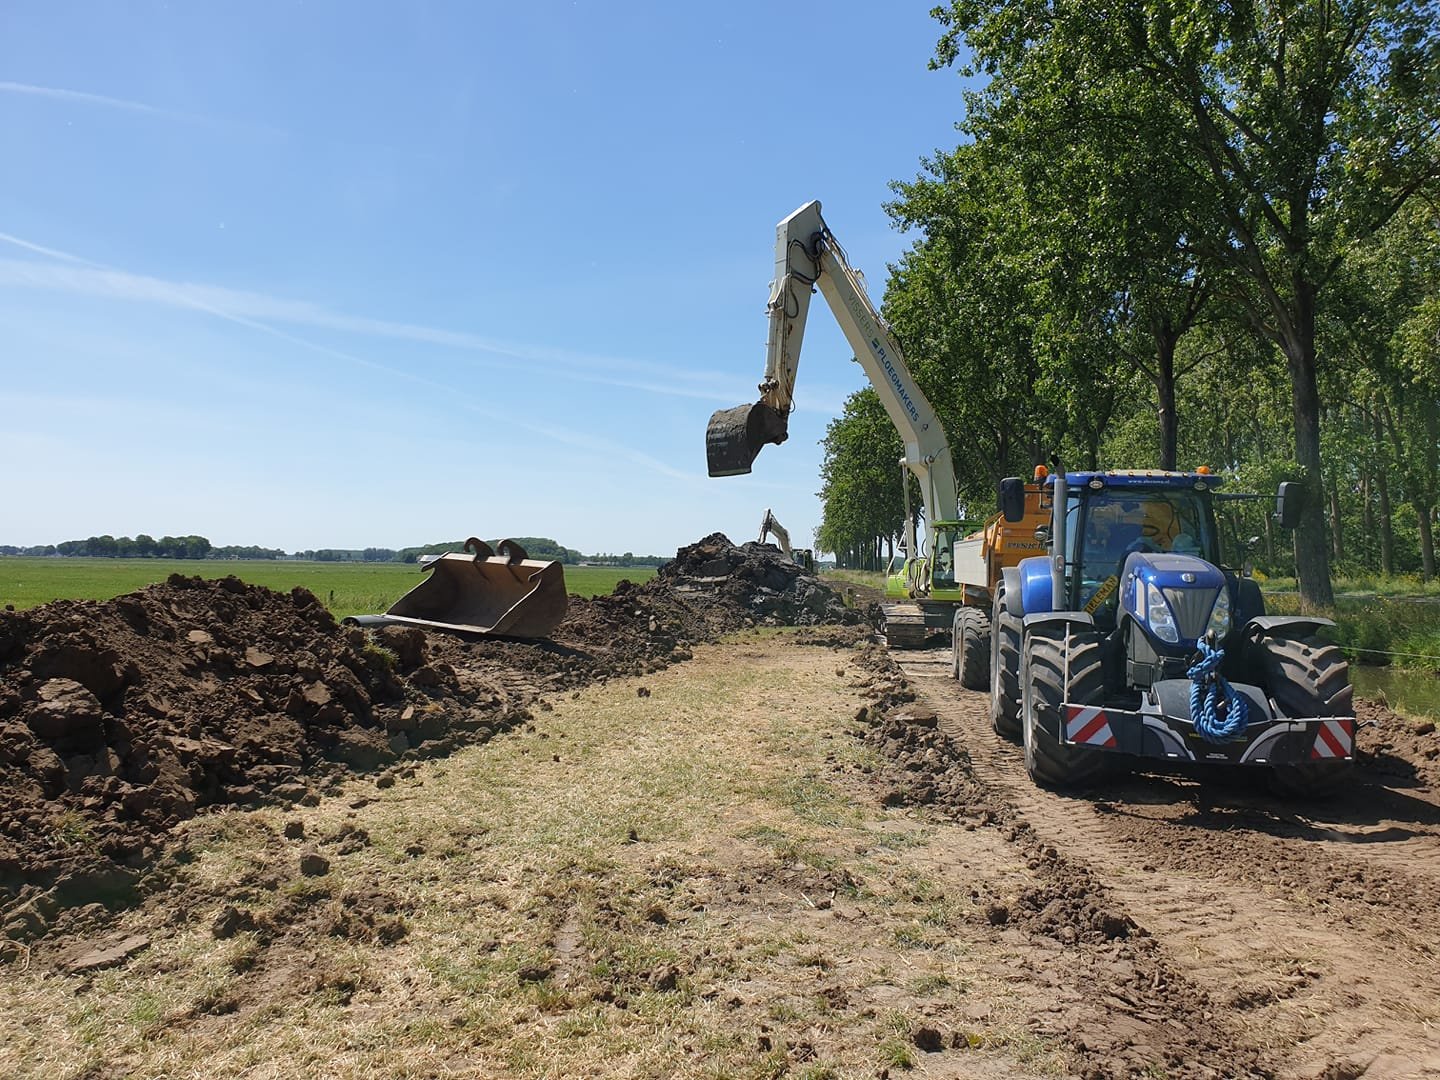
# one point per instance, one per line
(1187, 231)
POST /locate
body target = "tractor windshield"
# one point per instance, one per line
(1106, 526)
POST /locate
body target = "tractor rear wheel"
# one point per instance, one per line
(1308, 677)
(1005, 630)
(970, 648)
(1044, 690)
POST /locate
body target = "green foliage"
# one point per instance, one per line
(142, 547)
(860, 482)
(1186, 232)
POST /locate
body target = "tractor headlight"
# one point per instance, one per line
(1219, 623)
(1159, 616)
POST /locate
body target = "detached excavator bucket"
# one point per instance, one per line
(735, 436)
(506, 595)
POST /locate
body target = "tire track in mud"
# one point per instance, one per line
(1316, 935)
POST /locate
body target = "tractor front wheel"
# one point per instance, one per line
(1044, 690)
(1307, 677)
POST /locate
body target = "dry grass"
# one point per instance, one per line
(699, 882)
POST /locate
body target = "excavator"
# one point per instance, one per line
(934, 580)
(801, 557)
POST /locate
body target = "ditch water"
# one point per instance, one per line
(1407, 690)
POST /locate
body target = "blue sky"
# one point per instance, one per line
(359, 274)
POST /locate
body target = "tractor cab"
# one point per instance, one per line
(1109, 522)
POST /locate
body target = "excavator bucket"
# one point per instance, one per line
(735, 436)
(504, 595)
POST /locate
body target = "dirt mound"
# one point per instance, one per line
(709, 589)
(1395, 746)
(756, 582)
(120, 719)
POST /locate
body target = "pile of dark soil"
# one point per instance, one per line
(753, 582)
(120, 719)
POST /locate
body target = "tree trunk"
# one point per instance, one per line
(1367, 516)
(1337, 531)
(1382, 489)
(1312, 554)
(1424, 513)
(1432, 467)
(1165, 391)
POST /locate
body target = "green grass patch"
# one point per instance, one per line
(345, 588)
(1359, 586)
(871, 578)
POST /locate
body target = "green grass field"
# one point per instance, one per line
(345, 588)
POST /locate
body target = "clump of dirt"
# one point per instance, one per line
(120, 719)
(1396, 746)
(752, 583)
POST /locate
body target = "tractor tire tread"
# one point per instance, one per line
(1005, 633)
(1050, 762)
(971, 645)
(1308, 677)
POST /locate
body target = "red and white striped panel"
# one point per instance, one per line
(1088, 726)
(1334, 739)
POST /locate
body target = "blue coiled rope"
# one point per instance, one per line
(1217, 709)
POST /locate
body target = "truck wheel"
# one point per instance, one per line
(1004, 669)
(1307, 677)
(970, 648)
(1050, 762)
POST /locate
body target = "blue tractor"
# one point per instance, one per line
(1130, 641)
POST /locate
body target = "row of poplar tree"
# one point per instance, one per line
(1178, 233)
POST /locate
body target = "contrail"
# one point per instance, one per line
(79, 97)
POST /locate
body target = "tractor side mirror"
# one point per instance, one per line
(1247, 565)
(1288, 503)
(1012, 498)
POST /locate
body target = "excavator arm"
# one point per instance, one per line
(808, 256)
(768, 525)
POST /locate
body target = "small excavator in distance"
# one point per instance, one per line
(930, 590)
(801, 557)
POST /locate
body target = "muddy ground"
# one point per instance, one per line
(1153, 928)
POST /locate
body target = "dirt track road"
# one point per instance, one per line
(1310, 933)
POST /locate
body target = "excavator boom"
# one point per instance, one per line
(807, 257)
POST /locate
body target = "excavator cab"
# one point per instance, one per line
(735, 436)
(504, 595)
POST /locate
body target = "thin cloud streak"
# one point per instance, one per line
(250, 309)
(155, 289)
(96, 279)
(80, 97)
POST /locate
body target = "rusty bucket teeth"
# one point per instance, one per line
(480, 591)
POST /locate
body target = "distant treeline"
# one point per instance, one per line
(197, 547)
